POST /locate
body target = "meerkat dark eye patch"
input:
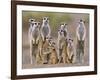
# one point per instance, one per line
(35, 23)
(44, 18)
(47, 18)
(38, 23)
(65, 24)
(31, 19)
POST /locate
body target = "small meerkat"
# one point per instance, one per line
(53, 54)
(43, 50)
(65, 52)
(45, 28)
(70, 51)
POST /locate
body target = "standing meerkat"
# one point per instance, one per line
(33, 36)
(45, 28)
(81, 34)
(31, 22)
(62, 34)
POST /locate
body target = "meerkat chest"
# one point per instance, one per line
(45, 30)
(53, 53)
(81, 31)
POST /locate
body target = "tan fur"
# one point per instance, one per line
(39, 56)
(53, 56)
(42, 50)
(65, 53)
(70, 55)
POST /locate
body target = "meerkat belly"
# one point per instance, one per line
(35, 34)
(45, 31)
(81, 32)
(53, 57)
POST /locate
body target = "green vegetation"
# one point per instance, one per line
(55, 18)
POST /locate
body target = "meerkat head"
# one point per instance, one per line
(36, 24)
(63, 26)
(61, 32)
(48, 39)
(70, 41)
(52, 45)
(31, 20)
(45, 20)
(81, 22)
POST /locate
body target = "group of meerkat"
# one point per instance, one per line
(48, 51)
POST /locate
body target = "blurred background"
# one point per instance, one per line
(55, 19)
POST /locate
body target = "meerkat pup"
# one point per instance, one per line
(45, 28)
(80, 34)
(39, 55)
(43, 50)
(64, 54)
(53, 54)
(70, 50)
(46, 49)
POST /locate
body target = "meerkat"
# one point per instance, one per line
(39, 55)
(43, 50)
(80, 34)
(45, 28)
(70, 50)
(60, 40)
(33, 36)
(31, 22)
(64, 54)
(53, 54)
(46, 49)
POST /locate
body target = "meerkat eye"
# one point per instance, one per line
(35, 23)
(44, 18)
(47, 18)
(31, 19)
(38, 23)
(65, 24)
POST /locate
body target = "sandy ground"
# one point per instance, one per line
(72, 27)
